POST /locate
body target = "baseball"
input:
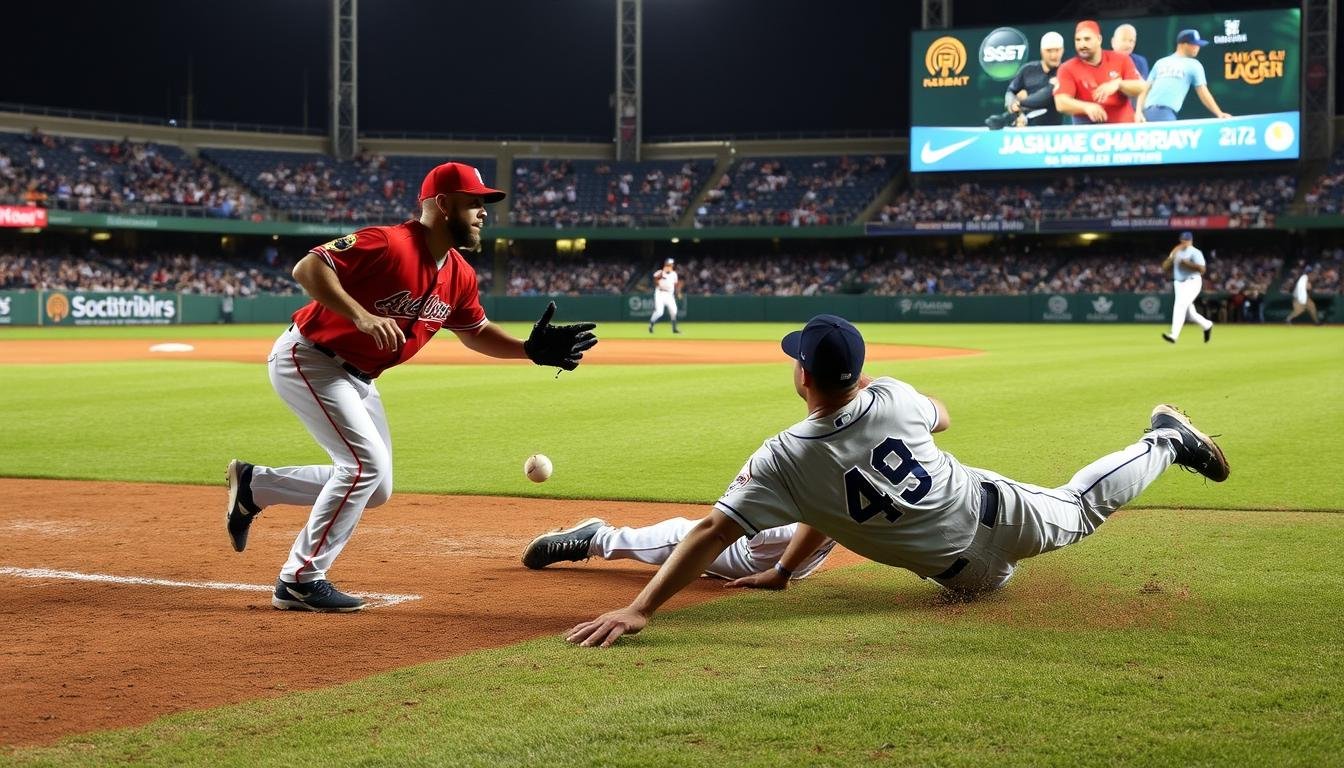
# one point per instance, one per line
(537, 468)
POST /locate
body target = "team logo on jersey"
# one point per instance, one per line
(341, 243)
(431, 309)
(742, 479)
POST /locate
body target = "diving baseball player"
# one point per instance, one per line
(769, 559)
(1186, 263)
(666, 291)
(379, 295)
(863, 469)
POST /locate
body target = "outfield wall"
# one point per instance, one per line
(88, 308)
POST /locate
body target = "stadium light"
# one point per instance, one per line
(1088, 237)
(99, 237)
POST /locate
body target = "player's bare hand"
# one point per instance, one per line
(1138, 116)
(1095, 112)
(771, 579)
(607, 629)
(384, 330)
(1224, 116)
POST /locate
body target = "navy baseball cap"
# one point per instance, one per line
(1188, 236)
(1191, 36)
(830, 348)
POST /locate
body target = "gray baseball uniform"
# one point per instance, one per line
(870, 477)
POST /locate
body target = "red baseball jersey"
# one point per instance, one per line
(390, 272)
(1077, 78)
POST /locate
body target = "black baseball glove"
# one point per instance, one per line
(558, 345)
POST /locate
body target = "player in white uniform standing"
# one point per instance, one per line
(864, 470)
(1302, 298)
(1186, 263)
(767, 560)
(666, 291)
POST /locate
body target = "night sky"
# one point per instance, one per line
(518, 67)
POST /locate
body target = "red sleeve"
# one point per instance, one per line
(353, 252)
(467, 314)
(1130, 72)
(1064, 82)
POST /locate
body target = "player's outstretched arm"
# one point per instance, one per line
(492, 341)
(1206, 98)
(706, 541)
(805, 541)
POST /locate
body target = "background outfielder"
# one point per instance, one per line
(379, 295)
(666, 291)
(1186, 263)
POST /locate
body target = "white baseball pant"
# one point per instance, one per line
(653, 544)
(1186, 291)
(664, 300)
(1032, 520)
(345, 415)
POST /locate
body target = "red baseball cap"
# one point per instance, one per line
(457, 177)
(1088, 24)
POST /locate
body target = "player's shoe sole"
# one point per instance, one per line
(1195, 450)
(237, 520)
(563, 544)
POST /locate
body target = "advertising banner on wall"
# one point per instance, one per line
(98, 308)
(23, 216)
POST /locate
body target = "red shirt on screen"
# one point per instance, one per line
(390, 272)
(1077, 78)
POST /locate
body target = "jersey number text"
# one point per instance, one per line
(865, 501)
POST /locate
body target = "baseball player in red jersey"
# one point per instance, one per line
(1095, 85)
(379, 295)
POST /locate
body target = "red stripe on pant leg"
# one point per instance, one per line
(359, 466)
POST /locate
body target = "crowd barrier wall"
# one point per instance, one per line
(89, 308)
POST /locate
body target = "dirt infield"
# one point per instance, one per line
(124, 602)
(441, 351)
(85, 655)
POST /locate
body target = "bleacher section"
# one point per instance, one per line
(1326, 194)
(124, 177)
(795, 191)
(569, 193)
(371, 188)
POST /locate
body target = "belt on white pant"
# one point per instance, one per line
(350, 369)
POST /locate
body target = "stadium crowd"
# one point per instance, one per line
(569, 193)
(168, 272)
(1246, 201)
(51, 171)
(793, 192)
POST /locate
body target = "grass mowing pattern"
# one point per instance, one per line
(1170, 638)
(1040, 403)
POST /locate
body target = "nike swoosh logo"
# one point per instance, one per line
(930, 155)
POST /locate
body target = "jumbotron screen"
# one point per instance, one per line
(1193, 88)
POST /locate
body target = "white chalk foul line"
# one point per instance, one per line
(47, 573)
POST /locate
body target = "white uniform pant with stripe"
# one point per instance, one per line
(1186, 291)
(345, 416)
(1033, 520)
(653, 544)
(664, 301)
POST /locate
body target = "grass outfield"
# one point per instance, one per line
(1184, 634)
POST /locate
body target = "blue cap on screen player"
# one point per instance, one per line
(1188, 237)
(830, 348)
(1191, 36)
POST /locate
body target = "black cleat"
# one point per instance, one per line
(562, 544)
(240, 511)
(320, 596)
(1195, 450)
(1208, 333)
(1167, 337)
